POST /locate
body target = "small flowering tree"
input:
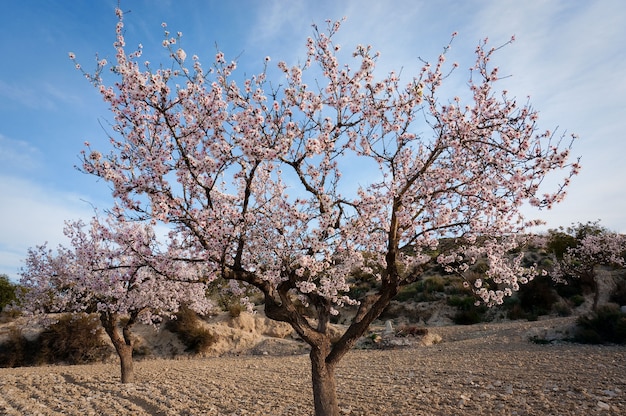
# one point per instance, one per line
(107, 270)
(289, 186)
(581, 248)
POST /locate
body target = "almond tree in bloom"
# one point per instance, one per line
(590, 246)
(290, 185)
(109, 269)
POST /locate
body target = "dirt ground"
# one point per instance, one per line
(478, 370)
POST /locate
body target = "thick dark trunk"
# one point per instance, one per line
(324, 386)
(123, 345)
(324, 355)
(125, 353)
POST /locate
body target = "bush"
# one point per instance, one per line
(574, 287)
(188, 329)
(577, 300)
(17, 351)
(455, 287)
(468, 313)
(73, 339)
(7, 291)
(426, 290)
(464, 303)
(235, 309)
(406, 293)
(514, 308)
(562, 308)
(468, 317)
(606, 325)
(538, 296)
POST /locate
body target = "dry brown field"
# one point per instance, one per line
(488, 369)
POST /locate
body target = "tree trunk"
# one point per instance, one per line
(125, 353)
(324, 386)
(123, 345)
(324, 355)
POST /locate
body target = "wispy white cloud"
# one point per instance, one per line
(566, 57)
(18, 155)
(30, 215)
(27, 96)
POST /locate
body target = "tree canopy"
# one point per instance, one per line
(290, 184)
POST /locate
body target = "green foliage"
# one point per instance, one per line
(468, 317)
(542, 296)
(408, 292)
(538, 296)
(514, 309)
(7, 291)
(562, 308)
(359, 290)
(426, 290)
(577, 300)
(606, 325)
(462, 302)
(190, 332)
(564, 238)
(574, 287)
(559, 242)
(531, 258)
(455, 287)
(468, 313)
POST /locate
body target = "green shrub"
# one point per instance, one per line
(187, 327)
(577, 300)
(514, 309)
(606, 325)
(559, 242)
(406, 293)
(574, 287)
(562, 308)
(359, 291)
(468, 317)
(464, 303)
(531, 258)
(435, 284)
(426, 290)
(538, 296)
(7, 291)
(455, 287)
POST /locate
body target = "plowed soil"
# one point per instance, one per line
(477, 370)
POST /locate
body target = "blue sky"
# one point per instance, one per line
(569, 56)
